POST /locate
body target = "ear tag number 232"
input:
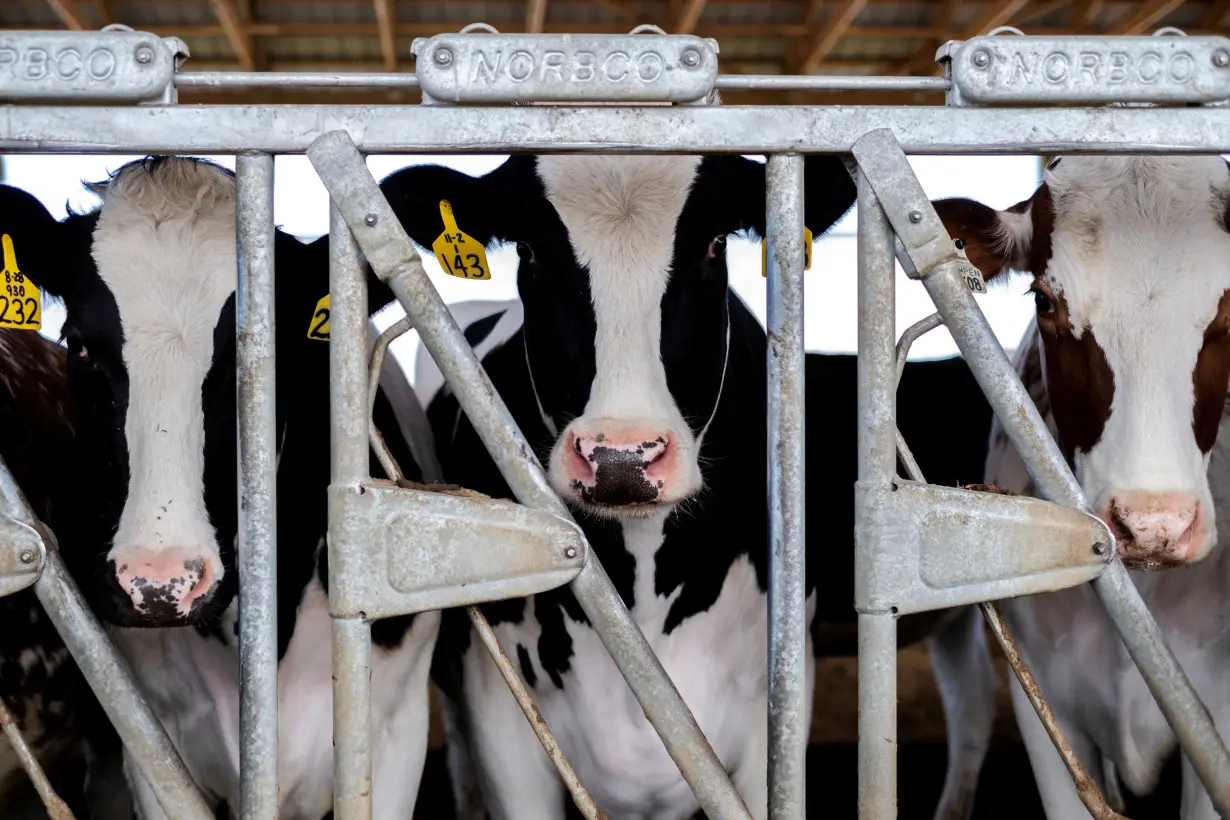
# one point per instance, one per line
(460, 254)
(21, 306)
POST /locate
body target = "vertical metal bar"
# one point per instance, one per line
(877, 439)
(788, 724)
(258, 557)
(1186, 714)
(352, 638)
(388, 249)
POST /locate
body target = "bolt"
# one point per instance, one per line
(370, 220)
(1221, 58)
(690, 58)
(443, 56)
(1099, 548)
(916, 217)
(27, 557)
(981, 58)
(144, 55)
(571, 552)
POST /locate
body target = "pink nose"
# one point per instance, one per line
(629, 468)
(166, 585)
(1156, 528)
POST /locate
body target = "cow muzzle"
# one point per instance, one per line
(1157, 529)
(626, 469)
(167, 587)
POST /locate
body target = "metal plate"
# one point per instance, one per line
(489, 68)
(1090, 70)
(112, 66)
(21, 555)
(404, 551)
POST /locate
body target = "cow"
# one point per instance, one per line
(1128, 359)
(639, 378)
(149, 282)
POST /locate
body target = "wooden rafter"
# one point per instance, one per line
(105, 16)
(70, 14)
(826, 38)
(1139, 21)
(535, 16)
(689, 16)
(1084, 13)
(1216, 13)
(924, 58)
(1035, 10)
(995, 14)
(386, 24)
(239, 37)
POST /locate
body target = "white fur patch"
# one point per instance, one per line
(165, 247)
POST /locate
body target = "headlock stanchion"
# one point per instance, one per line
(912, 554)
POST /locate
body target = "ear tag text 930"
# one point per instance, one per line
(21, 303)
(764, 253)
(460, 254)
(319, 327)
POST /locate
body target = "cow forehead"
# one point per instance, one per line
(165, 248)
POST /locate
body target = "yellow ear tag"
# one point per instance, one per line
(764, 253)
(460, 254)
(21, 304)
(319, 328)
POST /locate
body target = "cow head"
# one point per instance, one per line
(148, 280)
(1130, 259)
(623, 279)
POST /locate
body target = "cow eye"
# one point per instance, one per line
(716, 247)
(525, 252)
(1043, 303)
(76, 348)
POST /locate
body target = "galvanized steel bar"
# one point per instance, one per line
(352, 637)
(877, 631)
(390, 252)
(750, 129)
(827, 82)
(57, 809)
(258, 497)
(788, 706)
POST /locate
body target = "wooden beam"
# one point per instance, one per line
(813, 11)
(689, 16)
(616, 6)
(535, 16)
(105, 16)
(995, 14)
(241, 40)
(1216, 13)
(1141, 20)
(1084, 13)
(1036, 10)
(386, 26)
(924, 58)
(826, 38)
(70, 14)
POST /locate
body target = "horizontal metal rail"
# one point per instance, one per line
(615, 129)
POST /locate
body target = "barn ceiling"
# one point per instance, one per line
(865, 37)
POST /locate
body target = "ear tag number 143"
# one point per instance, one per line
(21, 306)
(764, 253)
(460, 254)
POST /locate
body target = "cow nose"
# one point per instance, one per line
(629, 468)
(166, 585)
(1156, 528)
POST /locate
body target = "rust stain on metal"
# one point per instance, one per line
(1086, 788)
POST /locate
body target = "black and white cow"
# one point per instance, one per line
(639, 377)
(149, 282)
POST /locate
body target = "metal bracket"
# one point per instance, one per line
(1026, 70)
(616, 68)
(949, 547)
(22, 553)
(417, 551)
(77, 66)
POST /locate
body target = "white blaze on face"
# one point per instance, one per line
(165, 247)
(621, 213)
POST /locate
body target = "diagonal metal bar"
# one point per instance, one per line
(931, 253)
(389, 251)
(57, 809)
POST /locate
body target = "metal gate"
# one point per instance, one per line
(670, 80)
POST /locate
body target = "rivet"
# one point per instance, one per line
(690, 58)
(144, 55)
(916, 217)
(1099, 548)
(1221, 58)
(443, 56)
(571, 552)
(981, 58)
(27, 557)
(370, 220)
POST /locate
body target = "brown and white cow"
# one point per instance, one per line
(1128, 361)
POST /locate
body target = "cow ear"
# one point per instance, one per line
(484, 207)
(828, 191)
(995, 241)
(41, 247)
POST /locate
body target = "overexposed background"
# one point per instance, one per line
(301, 207)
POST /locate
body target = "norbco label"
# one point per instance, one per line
(558, 68)
(83, 65)
(1067, 70)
